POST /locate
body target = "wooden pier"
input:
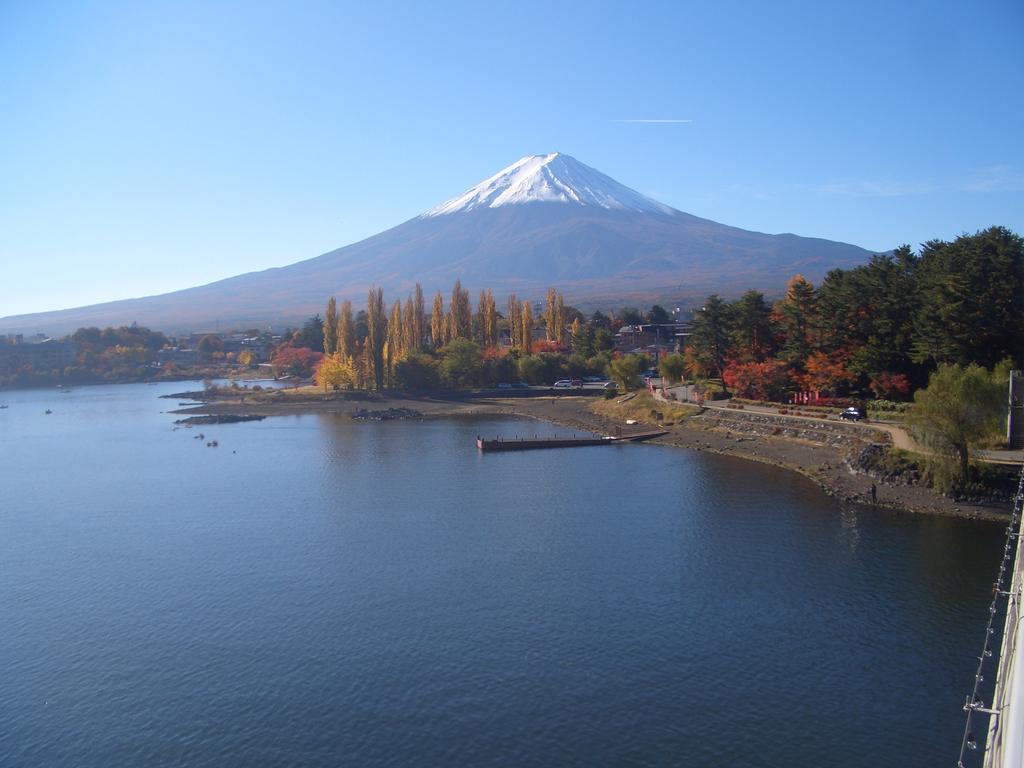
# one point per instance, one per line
(529, 444)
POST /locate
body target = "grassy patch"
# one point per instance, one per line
(986, 482)
(887, 409)
(898, 460)
(643, 408)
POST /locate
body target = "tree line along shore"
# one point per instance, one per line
(927, 336)
(931, 335)
(844, 459)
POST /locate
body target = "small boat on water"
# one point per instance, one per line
(48, 411)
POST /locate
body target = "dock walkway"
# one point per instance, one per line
(527, 444)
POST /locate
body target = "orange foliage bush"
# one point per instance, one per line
(825, 373)
(758, 381)
(891, 386)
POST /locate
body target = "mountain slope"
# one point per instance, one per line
(545, 220)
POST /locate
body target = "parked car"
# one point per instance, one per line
(853, 413)
(562, 384)
(611, 385)
(504, 385)
(520, 385)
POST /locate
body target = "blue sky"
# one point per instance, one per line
(147, 147)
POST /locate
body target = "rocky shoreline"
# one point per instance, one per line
(386, 414)
(826, 452)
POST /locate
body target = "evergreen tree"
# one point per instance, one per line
(710, 337)
(868, 312)
(630, 316)
(797, 317)
(972, 299)
(311, 336)
(658, 315)
(603, 340)
(361, 325)
(582, 338)
(751, 335)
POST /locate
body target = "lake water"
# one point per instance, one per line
(322, 592)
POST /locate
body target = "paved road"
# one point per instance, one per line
(900, 437)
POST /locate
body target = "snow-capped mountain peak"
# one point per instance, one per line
(556, 178)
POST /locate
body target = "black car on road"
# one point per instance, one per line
(853, 413)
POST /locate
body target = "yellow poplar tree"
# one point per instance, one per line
(487, 314)
(335, 373)
(362, 362)
(460, 314)
(346, 336)
(515, 316)
(409, 342)
(376, 320)
(437, 321)
(559, 318)
(526, 327)
(419, 310)
(554, 316)
(394, 341)
(577, 333)
(549, 314)
(331, 327)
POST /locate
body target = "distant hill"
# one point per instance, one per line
(545, 220)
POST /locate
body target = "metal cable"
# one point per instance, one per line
(974, 703)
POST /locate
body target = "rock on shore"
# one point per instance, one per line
(388, 414)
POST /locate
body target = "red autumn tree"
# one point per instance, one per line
(545, 346)
(767, 380)
(295, 361)
(891, 386)
(825, 373)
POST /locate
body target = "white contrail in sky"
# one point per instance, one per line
(655, 120)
